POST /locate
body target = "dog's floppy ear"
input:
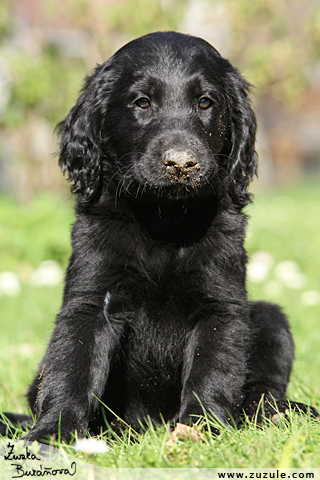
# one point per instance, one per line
(80, 152)
(243, 157)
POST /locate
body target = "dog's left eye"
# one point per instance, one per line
(205, 103)
(143, 102)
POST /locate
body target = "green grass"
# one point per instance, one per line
(286, 224)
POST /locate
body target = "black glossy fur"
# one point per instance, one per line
(155, 317)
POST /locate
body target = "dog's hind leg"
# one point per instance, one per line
(270, 366)
(11, 424)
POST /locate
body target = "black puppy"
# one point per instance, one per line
(155, 321)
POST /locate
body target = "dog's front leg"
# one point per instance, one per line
(75, 368)
(214, 369)
(74, 371)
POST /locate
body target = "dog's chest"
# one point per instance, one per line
(169, 282)
(160, 302)
(153, 355)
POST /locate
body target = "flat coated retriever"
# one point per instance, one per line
(155, 322)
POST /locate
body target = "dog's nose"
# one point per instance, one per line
(180, 162)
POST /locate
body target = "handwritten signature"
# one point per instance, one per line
(43, 471)
(27, 456)
(22, 471)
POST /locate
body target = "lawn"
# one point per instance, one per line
(284, 248)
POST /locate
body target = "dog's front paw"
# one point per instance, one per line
(42, 432)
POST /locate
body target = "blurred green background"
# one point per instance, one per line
(47, 46)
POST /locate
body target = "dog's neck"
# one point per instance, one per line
(181, 223)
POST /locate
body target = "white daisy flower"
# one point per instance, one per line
(9, 284)
(259, 266)
(48, 274)
(310, 298)
(91, 446)
(288, 273)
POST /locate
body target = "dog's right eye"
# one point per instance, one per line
(143, 102)
(205, 103)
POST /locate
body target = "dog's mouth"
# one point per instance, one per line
(183, 186)
(178, 182)
(177, 174)
(179, 188)
(176, 186)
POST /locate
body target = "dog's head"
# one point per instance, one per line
(166, 115)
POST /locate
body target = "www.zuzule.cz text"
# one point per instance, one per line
(261, 475)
